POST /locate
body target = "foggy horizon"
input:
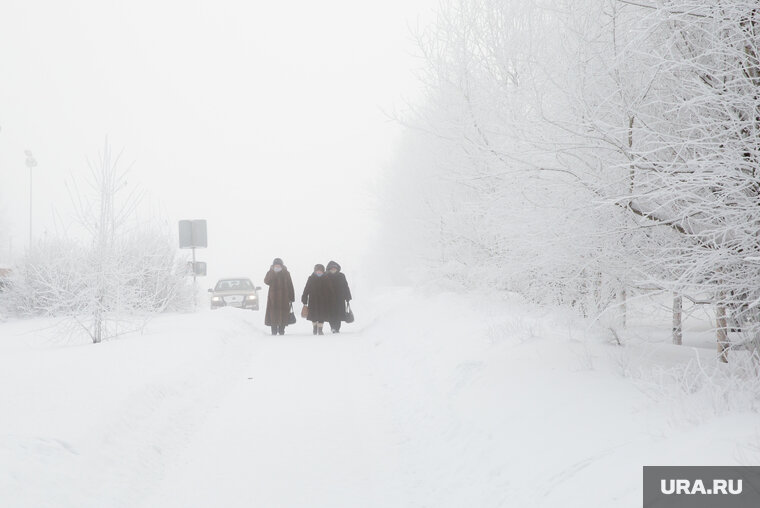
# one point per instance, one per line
(243, 114)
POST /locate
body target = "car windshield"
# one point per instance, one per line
(233, 285)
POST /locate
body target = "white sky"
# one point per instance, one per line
(263, 117)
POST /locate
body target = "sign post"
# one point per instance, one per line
(193, 235)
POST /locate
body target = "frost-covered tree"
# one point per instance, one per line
(114, 276)
(696, 155)
(506, 202)
(576, 151)
(674, 119)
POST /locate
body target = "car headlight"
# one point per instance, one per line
(250, 297)
(216, 298)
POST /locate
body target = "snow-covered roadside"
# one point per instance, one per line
(504, 404)
(439, 400)
(95, 425)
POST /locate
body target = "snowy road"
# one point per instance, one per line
(443, 401)
(304, 426)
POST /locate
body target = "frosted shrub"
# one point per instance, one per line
(697, 391)
(112, 279)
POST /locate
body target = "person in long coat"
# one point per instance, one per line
(318, 296)
(281, 296)
(341, 294)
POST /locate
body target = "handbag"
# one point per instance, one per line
(305, 311)
(292, 317)
(348, 316)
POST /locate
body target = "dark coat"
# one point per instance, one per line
(318, 295)
(281, 295)
(341, 293)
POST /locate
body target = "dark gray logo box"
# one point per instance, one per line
(654, 497)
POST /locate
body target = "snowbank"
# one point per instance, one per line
(504, 404)
(95, 425)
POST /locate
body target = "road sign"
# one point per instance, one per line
(200, 268)
(192, 234)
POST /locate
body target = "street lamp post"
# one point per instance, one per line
(31, 162)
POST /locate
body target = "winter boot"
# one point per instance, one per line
(274, 330)
(319, 329)
(282, 330)
(315, 328)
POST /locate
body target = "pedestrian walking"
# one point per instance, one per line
(280, 297)
(317, 297)
(341, 295)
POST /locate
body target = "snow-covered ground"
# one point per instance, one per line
(441, 401)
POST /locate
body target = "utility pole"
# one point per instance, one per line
(31, 162)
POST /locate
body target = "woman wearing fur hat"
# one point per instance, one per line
(317, 296)
(281, 296)
(341, 294)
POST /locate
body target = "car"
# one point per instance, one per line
(235, 292)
